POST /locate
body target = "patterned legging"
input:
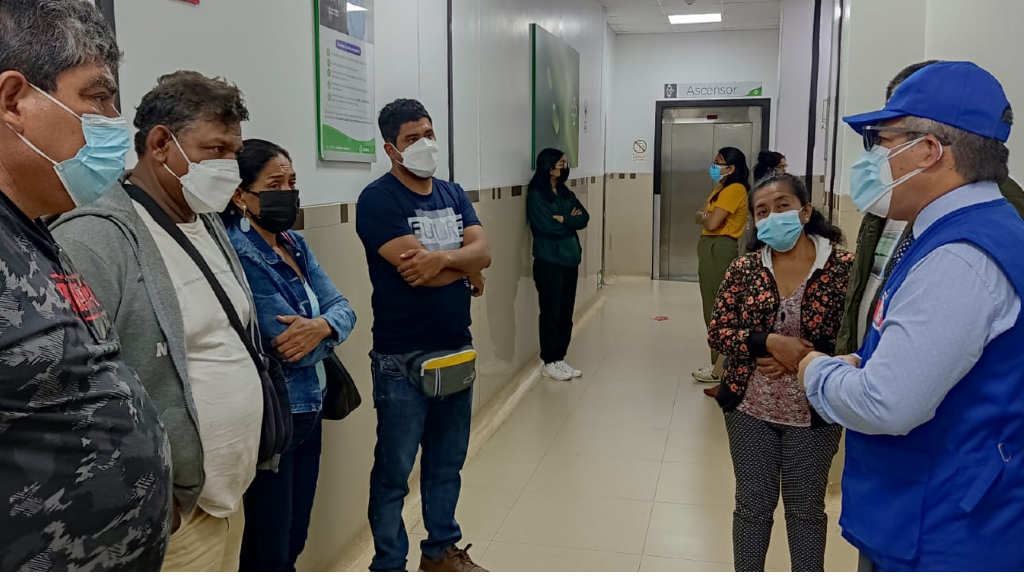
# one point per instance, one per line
(765, 455)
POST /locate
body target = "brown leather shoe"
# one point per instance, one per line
(711, 392)
(453, 560)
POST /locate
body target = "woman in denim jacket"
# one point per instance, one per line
(302, 317)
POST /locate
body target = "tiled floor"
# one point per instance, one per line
(625, 470)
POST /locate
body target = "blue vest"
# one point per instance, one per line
(949, 496)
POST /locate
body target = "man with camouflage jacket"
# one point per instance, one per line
(84, 460)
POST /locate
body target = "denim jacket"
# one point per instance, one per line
(278, 291)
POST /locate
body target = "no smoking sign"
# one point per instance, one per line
(640, 151)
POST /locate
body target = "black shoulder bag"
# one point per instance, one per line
(342, 396)
(276, 431)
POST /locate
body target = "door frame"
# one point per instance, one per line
(659, 112)
(660, 106)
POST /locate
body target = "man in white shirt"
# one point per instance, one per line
(194, 365)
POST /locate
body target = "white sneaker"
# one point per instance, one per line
(706, 375)
(554, 372)
(564, 367)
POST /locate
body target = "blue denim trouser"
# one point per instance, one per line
(406, 420)
(278, 504)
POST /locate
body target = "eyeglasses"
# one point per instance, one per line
(872, 138)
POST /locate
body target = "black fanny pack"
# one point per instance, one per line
(440, 373)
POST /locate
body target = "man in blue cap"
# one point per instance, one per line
(934, 476)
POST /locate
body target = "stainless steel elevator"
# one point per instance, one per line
(690, 137)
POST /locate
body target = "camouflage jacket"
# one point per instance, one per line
(84, 460)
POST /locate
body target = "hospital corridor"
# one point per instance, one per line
(511, 286)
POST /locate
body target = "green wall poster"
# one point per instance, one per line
(346, 123)
(556, 95)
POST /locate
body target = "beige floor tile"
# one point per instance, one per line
(610, 441)
(690, 533)
(698, 447)
(656, 564)
(550, 400)
(686, 483)
(577, 522)
(634, 370)
(510, 470)
(629, 413)
(596, 476)
(480, 511)
(628, 390)
(694, 411)
(512, 557)
(524, 435)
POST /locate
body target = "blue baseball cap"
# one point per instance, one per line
(959, 94)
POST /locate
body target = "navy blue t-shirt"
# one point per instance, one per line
(407, 319)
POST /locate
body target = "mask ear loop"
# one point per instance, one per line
(183, 155)
(31, 145)
(908, 176)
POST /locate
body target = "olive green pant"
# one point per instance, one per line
(714, 255)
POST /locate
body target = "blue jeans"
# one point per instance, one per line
(278, 504)
(406, 420)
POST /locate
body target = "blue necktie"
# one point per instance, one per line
(901, 251)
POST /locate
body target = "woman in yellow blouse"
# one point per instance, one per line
(723, 219)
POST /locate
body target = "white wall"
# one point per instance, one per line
(795, 50)
(276, 70)
(643, 64)
(493, 75)
(880, 38)
(988, 33)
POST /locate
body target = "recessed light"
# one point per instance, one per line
(695, 18)
(354, 8)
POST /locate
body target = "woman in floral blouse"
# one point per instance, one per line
(776, 305)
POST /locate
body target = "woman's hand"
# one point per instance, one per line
(700, 217)
(559, 219)
(301, 337)
(788, 351)
(771, 367)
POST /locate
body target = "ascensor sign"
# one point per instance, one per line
(721, 90)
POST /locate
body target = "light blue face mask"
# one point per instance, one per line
(780, 230)
(100, 162)
(871, 182)
(715, 171)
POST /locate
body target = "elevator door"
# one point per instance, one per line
(691, 137)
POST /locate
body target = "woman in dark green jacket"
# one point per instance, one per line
(555, 216)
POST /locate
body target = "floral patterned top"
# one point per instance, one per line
(780, 400)
(747, 309)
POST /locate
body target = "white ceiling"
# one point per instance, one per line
(650, 16)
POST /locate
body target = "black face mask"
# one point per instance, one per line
(278, 210)
(563, 175)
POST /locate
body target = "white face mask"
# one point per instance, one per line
(421, 158)
(209, 185)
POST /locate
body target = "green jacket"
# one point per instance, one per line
(867, 239)
(554, 241)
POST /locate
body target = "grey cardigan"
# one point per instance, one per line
(115, 252)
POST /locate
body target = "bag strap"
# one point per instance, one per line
(161, 218)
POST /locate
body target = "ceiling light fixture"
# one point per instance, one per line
(695, 18)
(354, 8)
